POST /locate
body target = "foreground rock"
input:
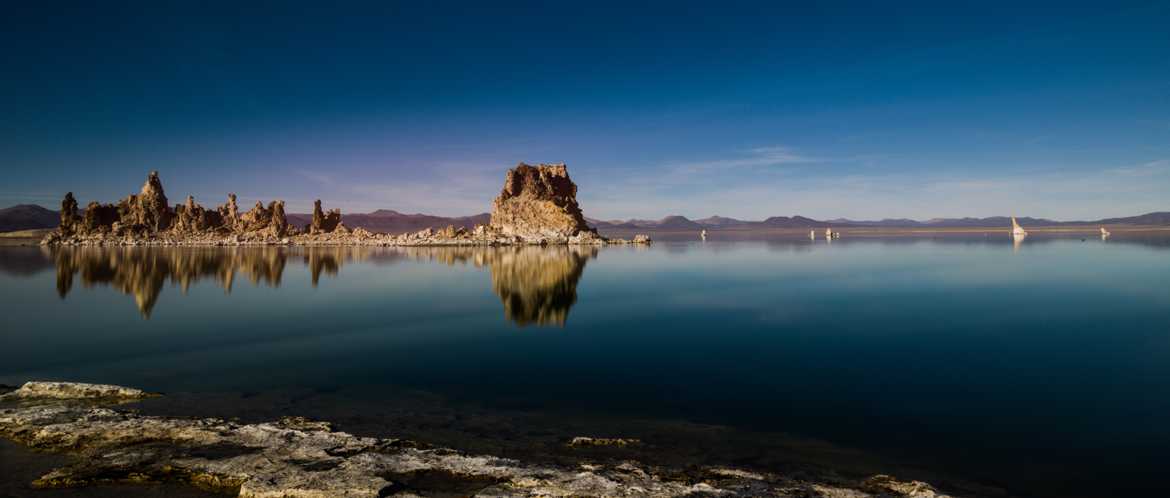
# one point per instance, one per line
(538, 205)
(294, 457)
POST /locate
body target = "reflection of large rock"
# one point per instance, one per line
(538, 285)
(539, 202)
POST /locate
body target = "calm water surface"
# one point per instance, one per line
(1042, 368)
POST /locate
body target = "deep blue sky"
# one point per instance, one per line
(738, 109)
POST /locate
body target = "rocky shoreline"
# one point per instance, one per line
(295, 457)
(537, 206)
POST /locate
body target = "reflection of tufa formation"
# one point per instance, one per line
(538, 205)
(143, 272)
(536, 285)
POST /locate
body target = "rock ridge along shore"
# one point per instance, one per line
(537, 206)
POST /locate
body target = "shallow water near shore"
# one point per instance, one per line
(1041, 367)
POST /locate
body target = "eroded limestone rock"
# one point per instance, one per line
(539, 202)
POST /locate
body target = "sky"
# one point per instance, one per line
(741, 109)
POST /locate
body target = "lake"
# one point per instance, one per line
(1041, 368)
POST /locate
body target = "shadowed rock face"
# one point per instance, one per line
(69, 217)
(324, 222)
(538, 202)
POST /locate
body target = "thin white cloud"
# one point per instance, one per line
(1150, 168)
(316, 177)
(449, 189)
(751, 158)
(1062, 195)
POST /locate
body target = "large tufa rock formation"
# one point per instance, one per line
(146, 214)
(539, 203)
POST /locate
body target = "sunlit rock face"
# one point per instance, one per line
(268, 220)
(537, 286)
(539, 202)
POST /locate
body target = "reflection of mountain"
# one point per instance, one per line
(23, 261)
(537, 285)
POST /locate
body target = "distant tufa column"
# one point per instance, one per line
(68, 214)
(154, 212)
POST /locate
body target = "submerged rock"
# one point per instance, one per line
(295, 457)
(603, 441)
(75, 390)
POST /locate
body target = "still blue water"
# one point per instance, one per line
(1042, 368)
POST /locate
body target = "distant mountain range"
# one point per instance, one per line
(31, 216)
(676, 222)
(27, 217)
